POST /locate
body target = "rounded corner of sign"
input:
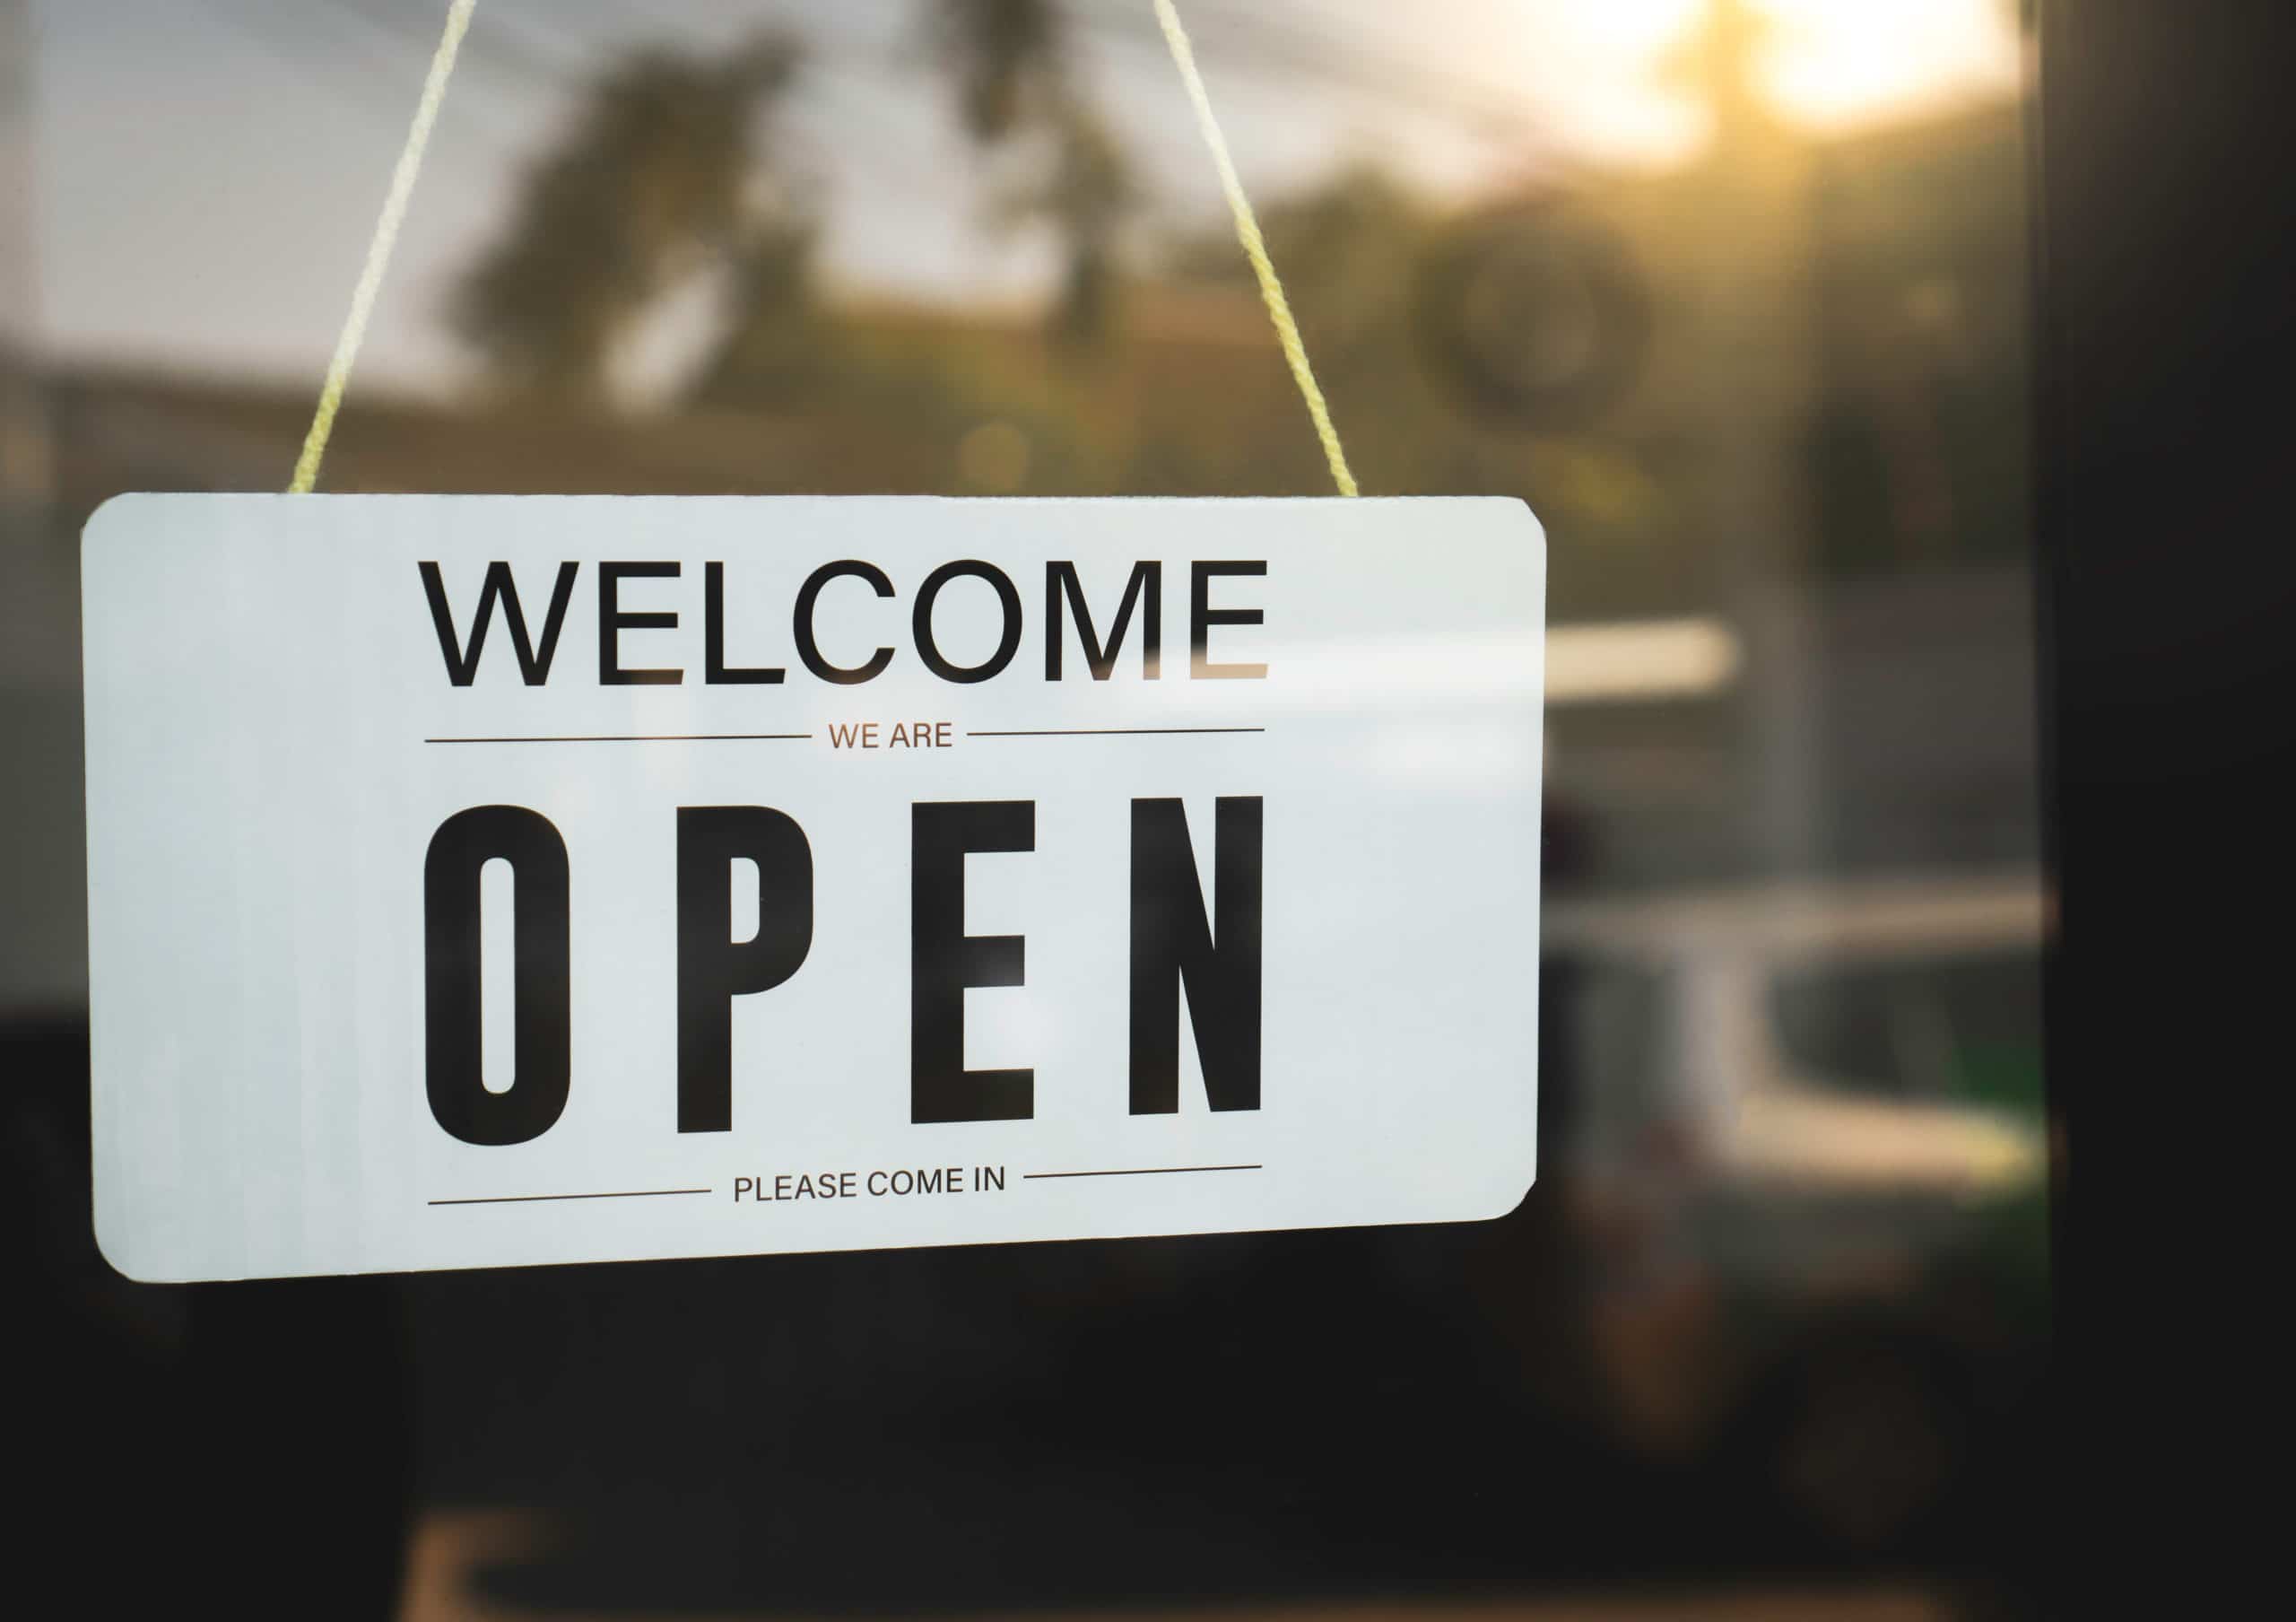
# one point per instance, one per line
(1510, 1200)
(110, 512)
(122, 1255)
(1530, 516)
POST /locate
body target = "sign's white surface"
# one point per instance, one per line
(483, 881)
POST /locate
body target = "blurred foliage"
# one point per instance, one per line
(1917, 442)
(1086, 192)
(1612, 348)
(1016, 89)
(1002, 53)
(657, 174)
(776, 346)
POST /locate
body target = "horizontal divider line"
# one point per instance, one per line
(619, 1194)
(1111, 731)
(633, 737)
(1154, 1170)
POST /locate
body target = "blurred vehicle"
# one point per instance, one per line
(1804, 1144)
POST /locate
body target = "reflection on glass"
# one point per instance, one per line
(1733, 292)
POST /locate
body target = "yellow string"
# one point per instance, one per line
(1271, 291)
(426, 114)
(378, 251)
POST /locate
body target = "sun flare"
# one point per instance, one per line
(1824, 64)
(1844, 61)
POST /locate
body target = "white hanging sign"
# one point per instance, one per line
(485, 881)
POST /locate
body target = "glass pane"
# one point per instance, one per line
(1733, 293)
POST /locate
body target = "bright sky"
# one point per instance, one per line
(207, 171)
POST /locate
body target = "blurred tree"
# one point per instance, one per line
(1536, 344)
(1002, 52)
(657, 174)
(1347, 247)
(776, 342)
(1015, 85)
(1086, 193)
